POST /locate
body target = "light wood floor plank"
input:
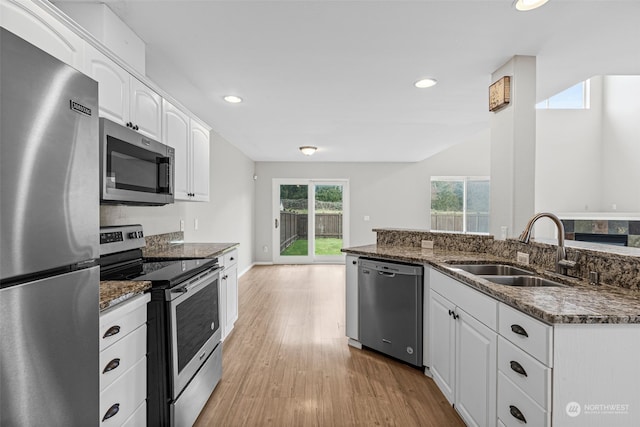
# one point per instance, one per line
(287, 362)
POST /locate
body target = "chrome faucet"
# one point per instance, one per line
(562, 263)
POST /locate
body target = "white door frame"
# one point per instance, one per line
(311, 258)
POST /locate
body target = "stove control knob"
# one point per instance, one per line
(132, 235)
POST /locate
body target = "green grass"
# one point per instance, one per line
(324, 246)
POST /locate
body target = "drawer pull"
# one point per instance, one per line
(111, 411)
(515, 413)
(111, 331)
(517, 329)
(516, 367)
(111, 365)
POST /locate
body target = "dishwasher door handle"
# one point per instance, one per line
(384, 273)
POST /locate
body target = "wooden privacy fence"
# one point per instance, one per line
(477, 222)
(294, 226)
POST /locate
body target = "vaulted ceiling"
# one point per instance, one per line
(340, 74)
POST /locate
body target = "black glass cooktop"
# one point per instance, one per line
(160, 273)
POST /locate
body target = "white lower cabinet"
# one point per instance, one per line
(463, 348)
(475, 389)
(123, 363)
(524, 369)
(229, 291)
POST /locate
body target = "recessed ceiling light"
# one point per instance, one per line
(425, 83)
(233, 99)
(525, 5)
(308, 150)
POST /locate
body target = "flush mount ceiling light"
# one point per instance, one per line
(232, 99)
(425, 83)
(308, 150)
(525, 5)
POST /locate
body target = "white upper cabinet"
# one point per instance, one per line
(200, 162)
(122, 97)
(27, 20)
(113, 85)
(191, 142)
(176, 133)
(146, 110)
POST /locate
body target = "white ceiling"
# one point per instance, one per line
(340, 74)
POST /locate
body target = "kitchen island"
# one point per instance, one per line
(508, 355)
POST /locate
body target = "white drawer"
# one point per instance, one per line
(535, 381)
(477, 304)
(122, 319)
(122, 355)
(512, 401)
(126, 394)
(138, 418)
(529, 334)
(230, 258)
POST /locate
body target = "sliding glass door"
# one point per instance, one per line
(309, 221)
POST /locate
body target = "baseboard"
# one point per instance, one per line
(241, 273)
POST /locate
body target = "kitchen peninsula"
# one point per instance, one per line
(504, 354)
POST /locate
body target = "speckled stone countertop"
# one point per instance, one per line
(113, 292)
(579, 302)
(188, 250)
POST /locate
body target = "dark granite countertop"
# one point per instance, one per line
(188, 250)
(579, 302)
(113, 292)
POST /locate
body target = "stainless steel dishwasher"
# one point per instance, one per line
(390, 308)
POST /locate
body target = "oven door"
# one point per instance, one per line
(195, 326)
(134, 169)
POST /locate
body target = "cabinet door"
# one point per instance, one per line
(146, 110)
(475, 385)
(222, 305)
(231, 275)
(176, 134)
(32, 23)
(113, 85)
(351, 297)
(199, 162)
(442, 346)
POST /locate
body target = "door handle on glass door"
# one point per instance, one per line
(276, 222)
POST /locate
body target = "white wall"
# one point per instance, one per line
(391, 194)
(621, 144)
(587, 160)
(569, 171)
(227, 217)
(513, 149)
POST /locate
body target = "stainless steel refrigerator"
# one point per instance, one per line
(49, 215)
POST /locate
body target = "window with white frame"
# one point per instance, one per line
(574, 98)
(460, 204)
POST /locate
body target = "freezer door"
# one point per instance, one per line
(49, 351)
(49, 182)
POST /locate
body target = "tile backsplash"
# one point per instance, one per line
(612, 227)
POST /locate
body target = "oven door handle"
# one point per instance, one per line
(194, 284)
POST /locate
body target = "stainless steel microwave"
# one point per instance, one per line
(134, 169)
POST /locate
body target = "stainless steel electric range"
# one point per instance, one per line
(184, 359)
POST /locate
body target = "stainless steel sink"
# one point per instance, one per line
(524, 281)
(491, 269)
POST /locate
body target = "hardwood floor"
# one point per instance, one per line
(287, 362)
